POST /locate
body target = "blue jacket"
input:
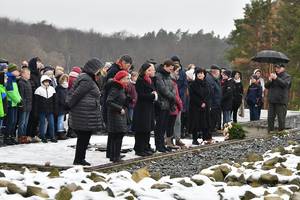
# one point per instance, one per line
(215, 91)
(254, 95)
(182, 84)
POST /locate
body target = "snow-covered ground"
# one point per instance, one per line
(62, 153)
(279, 181)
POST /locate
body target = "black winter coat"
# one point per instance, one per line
(61, 95)
(25, 91)
(227, 95)
(165, 89)
(143, 115)
(279, 89)
(116, 101)
(45, 99)
(238, 94)
(215, 90)
(35, 83)
(83, 99)
(199, 93)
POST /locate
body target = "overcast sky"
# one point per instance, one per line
(135, 16)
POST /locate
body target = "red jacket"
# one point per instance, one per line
(178, 101)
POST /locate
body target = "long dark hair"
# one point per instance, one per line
(143, 69)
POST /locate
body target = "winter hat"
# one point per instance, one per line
(151, 61)
(126, 58)
(12, 67)
(44, 78)
(92, 66)
(3, 61)
(3, 66)
(76, 69)
(256, 70)
(227, 73)
(175, 59)
(214, 66)
(121, 74)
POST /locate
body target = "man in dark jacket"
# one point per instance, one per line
(166, 102)
(278, 85)
(84, 102)
(213, 79)
(34, 65)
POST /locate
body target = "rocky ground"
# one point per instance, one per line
(192, 163)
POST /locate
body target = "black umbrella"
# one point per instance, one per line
(270, 56)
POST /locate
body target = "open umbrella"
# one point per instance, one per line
(270, 56)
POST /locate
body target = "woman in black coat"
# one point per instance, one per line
(117, 114)
(83, 100)
(238, 91)
(199, 108)
(143, 115)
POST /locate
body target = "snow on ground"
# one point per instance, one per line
(122, 185)
(62, 154)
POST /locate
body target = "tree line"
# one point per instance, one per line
(70, 47)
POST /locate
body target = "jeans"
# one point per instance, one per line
(43, 126)
(11, 121)
(60, 122)
(23, 121)
(130, 114)
(226, 116)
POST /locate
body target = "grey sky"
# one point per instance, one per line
(135, 16)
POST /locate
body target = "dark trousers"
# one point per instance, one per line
(108, 145)
(170, 125)
(184, 123)
(115, 146)
(215, 119)
(83, 139)
(235, 109)
(160, 128)
(11, 122)
(206, 134)
(142, 140)
(33, 123)
(254, 112)
(278, 110)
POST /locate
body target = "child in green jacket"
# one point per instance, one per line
(13, 98)
(3, 98)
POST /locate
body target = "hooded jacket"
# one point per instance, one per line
(13, 95)
(45, 97)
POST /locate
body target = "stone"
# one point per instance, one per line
(233, 178)
(36, 191)
(129, 198)
(96, 177)
(198, 182)
(298, 166)
(297, 150)
(236, 165)
(225, 169)
(273, 161)
(293, 188)
(268, 179)
(155, 175)
(253, 157)
(235, 183)
(292, 142)
(160, 186)
(140, 174)
(295, 181)
(248, 195)
(281, 191)
(73, 187)
(97, 188)
(110, 192)
(53, 173)
(184, 183)
(272, 197)
(131, 191)
(279, 149)
(63, 194)
(14, 189)
(2, 174)
(218, 175)
(4, 183)
(284, 171)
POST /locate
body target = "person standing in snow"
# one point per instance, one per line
(83, 100)
(117, 114)
(45, 102)
(237, 94)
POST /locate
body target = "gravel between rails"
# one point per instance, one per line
(189, 164)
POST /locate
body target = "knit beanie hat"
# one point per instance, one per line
(227, 73)
(12, 67)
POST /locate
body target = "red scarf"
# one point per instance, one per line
(120, 83)
(148, 79)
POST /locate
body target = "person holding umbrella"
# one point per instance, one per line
(278, 85)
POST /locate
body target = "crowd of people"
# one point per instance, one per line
(169, 99)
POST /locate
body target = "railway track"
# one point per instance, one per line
(130, 162)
